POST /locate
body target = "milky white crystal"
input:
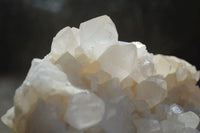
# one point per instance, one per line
(153, 91)
(96, 35)
(92, 83)
(146, 125)
(190, 119)
(84, 110)
(64, 41)
(119, 60)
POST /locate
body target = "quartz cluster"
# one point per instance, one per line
(92, 83)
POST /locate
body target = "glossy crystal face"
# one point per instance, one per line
(92, 83)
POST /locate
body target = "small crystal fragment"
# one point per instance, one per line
(175, 109)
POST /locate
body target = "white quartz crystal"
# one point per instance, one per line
(153, 91)
(92, 83)
(190, 119)
(84, 110)
(111, 60)
(141, 49)
(66, 40)
(96, 35)
(147, 126)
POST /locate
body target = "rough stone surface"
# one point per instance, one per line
(92, 83)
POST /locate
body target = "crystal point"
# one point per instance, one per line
(96, 35)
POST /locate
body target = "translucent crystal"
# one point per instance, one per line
(141, 49)
(112, 58)
(96, 35)
(161, 111)
(152, 90)
(163, 65)
(171, 126)
(65, 41)
(92, 83)
(190, 119)
(143, 70)
(47, 115)
(181, 74)
(147, 126)
(119, 119)
(84, 110)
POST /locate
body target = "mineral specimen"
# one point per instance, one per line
(92, 83)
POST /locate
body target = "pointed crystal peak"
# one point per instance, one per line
(66, 40)
(96, 35)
